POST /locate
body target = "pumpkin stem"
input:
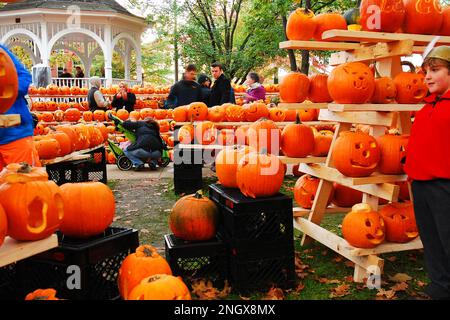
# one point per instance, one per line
(410, 65)
(377, 73)
(148, 252)
(24, 168)
(198, 194)
(154, 278)
(297, 119)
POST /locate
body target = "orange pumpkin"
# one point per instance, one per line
(362, 227)
(385, 91)
(8, 82)
(90, 217)
(47, 117)
(308, 114)
(70, 132)
(197, 111)
(180, 114)
(300, 25)
(122, 114)
(411, 87)
(226, 137)
(297, 140)
(255, 111)
(64, 90)
(227, 161)
(241, 135)
(445, 27)
(422, 16)
(216, 114)
(400, 222)
(291, 114)
(72, 115)
(65, 144)
(322, 142)
(47, 148)
(3, 225)
(87, 116)
(164, 126)
(143, 263)
(356, 154)
(393, 153)
(103, 130)
(99, 115)
(160, 287)
(276, 114)
(305, 190)
(318, 90)
(75, 90)
(42, 294)
(160, 114)
(294, 88)
(206, 133)
(392, 15)
(328, 21)
(234, 113)
(33, 205)
(264, 134)
(135, 115)
(186, 134)
(345, 197)
(51, 106)
(147, 113)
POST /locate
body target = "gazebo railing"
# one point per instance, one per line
(130, 83)
(84, 82)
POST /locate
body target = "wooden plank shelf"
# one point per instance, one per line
(236, 124)
(76, 155)
(318, 45)
(337, 107)
(304, 106)
(9, 120)
(12, 251)
(387, 247)
(373, 118)
(332, 209)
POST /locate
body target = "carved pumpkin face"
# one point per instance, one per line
(351, 82)
(362, 227)
(255, 111)
(234, 113)
(186, 134)
(206, 132)
(385, 91)
(9, 85)
(305, 190)
(393, 153)
(277, 114)
(356, 154)
(411, 87)
(197, 111)
(160, 287)
(400, 222)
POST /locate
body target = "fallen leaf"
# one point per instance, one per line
(348, 279)
(420, 283)
(391, 258)
(328, 281)
(340, 291)
(299, 288)
(144, 231)
(274, 294)
(349, 264)
(400, 277)
(206, 291)
(117, 218)
(389, 294)
(338, 259)
(401, 286)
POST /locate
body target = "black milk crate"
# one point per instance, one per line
(9, 290)
(187, 186)
(262, 273)
(247, 219)
(197, 260)
(98, 259)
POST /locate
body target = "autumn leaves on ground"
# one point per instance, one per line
(321, 273)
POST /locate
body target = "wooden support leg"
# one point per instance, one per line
(371, 274)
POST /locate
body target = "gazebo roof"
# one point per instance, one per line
(85, 5)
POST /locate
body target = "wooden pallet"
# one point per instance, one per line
(9, 120)
(12, 251)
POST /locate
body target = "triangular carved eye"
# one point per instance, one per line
(368, 223)
(402, 149)
(373, 145)
(358, 145)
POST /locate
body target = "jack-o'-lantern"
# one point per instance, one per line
(206, 132)
(411, 87)
(356, 154)
(400, 222)
(186, 134)
(255, 111)
(390, 18)
(9, 84)
(305, 190)
(393, 153)
(197, 111)
(422, 16)
(216, 114)
(385, 91)
(345, 196)
(351, 82)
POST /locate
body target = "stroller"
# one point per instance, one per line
(125, 164)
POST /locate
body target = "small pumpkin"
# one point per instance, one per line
(328, 21)
(186, 134)
(322, 142)
(297, 140)
(294, 88)
(264, 134)
(87, 116)
(216, 114)
(148, 113)
(362, 227)
(122, 114)
(42, 294)
(143, 263)
(255, 111)
(227, 161)
(194, 218)
(400, 222)
(300, 25)
(305, 191)
(318, 89)
(205, 132)
(345, 197)
(234, 113)
(393, 153)
(160, 287)
(72, 115)
(197, 111)
(411, 87)
(277, 114)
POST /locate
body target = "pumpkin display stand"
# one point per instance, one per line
(9, 120)
(187, 169)
(98, 259)
(361, 46)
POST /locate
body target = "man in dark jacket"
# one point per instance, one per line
(124, 98)
(221, 91)
(184, 91)
(148, 144)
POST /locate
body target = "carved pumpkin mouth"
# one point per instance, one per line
(360, 84)
(377, 239)
(362, 165)
(412, 234)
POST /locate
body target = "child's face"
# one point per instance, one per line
(437, 78)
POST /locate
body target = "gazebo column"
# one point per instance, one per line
(44, 41)
(108, 55)
(139, 64)
(127, 61)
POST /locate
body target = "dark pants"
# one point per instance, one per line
(432, 210)
(138, 156)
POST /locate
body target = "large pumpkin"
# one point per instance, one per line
(305, 190)
(362, 227)
(328, 21)
(422, 16)
(180, 114)
(65, 144)
(318, 89)
(160, 287)
(255, 111)
(300, 25)
(445, 27)
(227, 161)
(345, 197)
(9, 84)
(351, 82)
(47, 148)
(260, 175)
(234, 113)
(3, 225)
(143, 263)
(356, 154)
(92, 215)
(206, 132)
(33, 205)
(294, 88)
(390, 19)
(400, 222)
(322, 142)
(393, 153)
(264, 134)
(194, 218)
(385, 91)
(197, 111)
(216, 114)
(297, 140)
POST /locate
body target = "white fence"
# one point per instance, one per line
(84, 82)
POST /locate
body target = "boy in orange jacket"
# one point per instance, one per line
(428, 165)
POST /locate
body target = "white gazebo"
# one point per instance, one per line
(86, 28)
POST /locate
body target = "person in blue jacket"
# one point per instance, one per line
(16, 143)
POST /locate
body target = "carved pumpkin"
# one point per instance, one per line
(194, 218)
(65, 144)
(47, 117)
(385, 91)
(42, 294)
(186, 134)
(259, 175)
(149, 112)
(206, 132)
(122, 114)
(305, 190)
(411, 87)
(328, 21)
(197, 111)
(392, 14)
(291, 115)
(362, 227)
(322, 142)
(294, 88)
(47, 148)
(160, 114)
(234, 113)
(422, 16)
(356, 154)
(75, 90)
(393, 153)
(58, 115)
(72, 115)
(297, 140)
(83, 136)
(318, 90)
(351, 82)
(9, 84)
(51, 106)
(255, 111)
(277, 114)
(33, 205)
(227, 161)
(264, 134)
(216, 114)
(87, 116)
(3, 225)
(345, 196)
(160, 287)
(143, 263)
(91, 216)
(103, 130)
(135, 115)
(445, 27)
(300, 25)
(70, 132)
(64, 90)
(400, 222)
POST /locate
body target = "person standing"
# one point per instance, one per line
(428, 166)
(221, 91)
(124, 98)
(255, 89)
(79, 75)
(96, 100)
(205, 87)
(184, 91)
(16, 143)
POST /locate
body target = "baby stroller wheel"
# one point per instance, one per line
(163, 162)
(124, 163)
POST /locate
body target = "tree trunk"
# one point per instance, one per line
(175, 41)
(291, 54)
(305, 53)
